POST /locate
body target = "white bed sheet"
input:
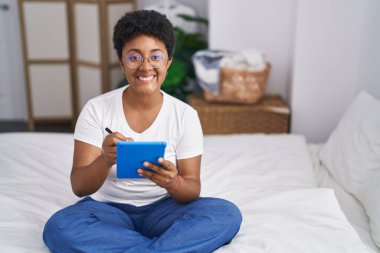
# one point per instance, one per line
(269, 177)
(352, 208)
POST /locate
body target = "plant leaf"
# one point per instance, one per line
(193, 19)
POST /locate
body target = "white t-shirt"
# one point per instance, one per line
(177, 124)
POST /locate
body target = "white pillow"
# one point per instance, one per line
(352, 155)
(369, 195)
(352, 151)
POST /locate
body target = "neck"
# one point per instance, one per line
(142, 102)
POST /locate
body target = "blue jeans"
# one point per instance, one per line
(164, 226)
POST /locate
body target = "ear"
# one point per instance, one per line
(122, 66)
(169, 62)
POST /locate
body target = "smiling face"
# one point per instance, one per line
(145, 79)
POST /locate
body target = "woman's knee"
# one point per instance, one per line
(55, 228)
(231, 213)
(63, 224)
(225, 211)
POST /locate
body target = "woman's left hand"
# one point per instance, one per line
(164, 176)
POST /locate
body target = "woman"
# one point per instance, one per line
(161, 212)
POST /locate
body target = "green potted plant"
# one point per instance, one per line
(180, 79)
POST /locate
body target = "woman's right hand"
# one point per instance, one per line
(109, 146)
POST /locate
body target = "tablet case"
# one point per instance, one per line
(132, 154)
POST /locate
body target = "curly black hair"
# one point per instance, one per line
(147, 22)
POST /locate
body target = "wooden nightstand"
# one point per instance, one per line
(270, 115)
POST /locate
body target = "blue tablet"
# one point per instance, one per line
(132, 154)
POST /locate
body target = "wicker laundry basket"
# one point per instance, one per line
(240, 86)
(270, 115)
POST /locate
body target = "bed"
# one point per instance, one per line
(290, 200)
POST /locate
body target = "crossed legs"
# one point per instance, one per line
(165, 226)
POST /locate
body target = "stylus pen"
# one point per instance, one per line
(108, 130)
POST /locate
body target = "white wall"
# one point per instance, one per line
(369, 67)
(337, 55)
(264, 25)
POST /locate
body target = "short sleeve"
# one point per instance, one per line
(191, 138)
(88, 127)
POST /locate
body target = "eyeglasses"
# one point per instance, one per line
(134, 61)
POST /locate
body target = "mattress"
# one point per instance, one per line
(269, 177)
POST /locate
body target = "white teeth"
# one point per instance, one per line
(146, 78)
